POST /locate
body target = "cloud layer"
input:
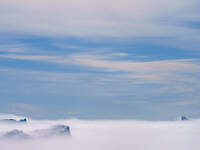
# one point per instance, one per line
(110, 134)
(170, 20)
(160, 71)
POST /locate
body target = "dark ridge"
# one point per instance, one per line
(16, 134)
(14, 120)
(183, 118)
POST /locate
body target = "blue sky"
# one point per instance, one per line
(100, 60)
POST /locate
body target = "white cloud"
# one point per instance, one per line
(101, 61)
(160, 71)
(86, 18)
(120, 54)
(110, 134)
(136, 66)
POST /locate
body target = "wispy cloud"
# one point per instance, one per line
(125, 19)
(184, 103)
(135, 66)
(100, 61)
(161, 70)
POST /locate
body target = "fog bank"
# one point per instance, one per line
(108, 135)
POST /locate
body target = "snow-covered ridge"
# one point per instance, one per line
(22, 128)
(54, 131)
(25, 120)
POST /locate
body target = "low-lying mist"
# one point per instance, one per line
(107, 135)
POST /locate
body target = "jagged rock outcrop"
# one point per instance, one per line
(14, 120)
(54, 131)
(58, 130)
(23, 120)
(183, 118)
(16, 134)
(19, 132)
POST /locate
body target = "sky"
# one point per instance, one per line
(130, 59)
